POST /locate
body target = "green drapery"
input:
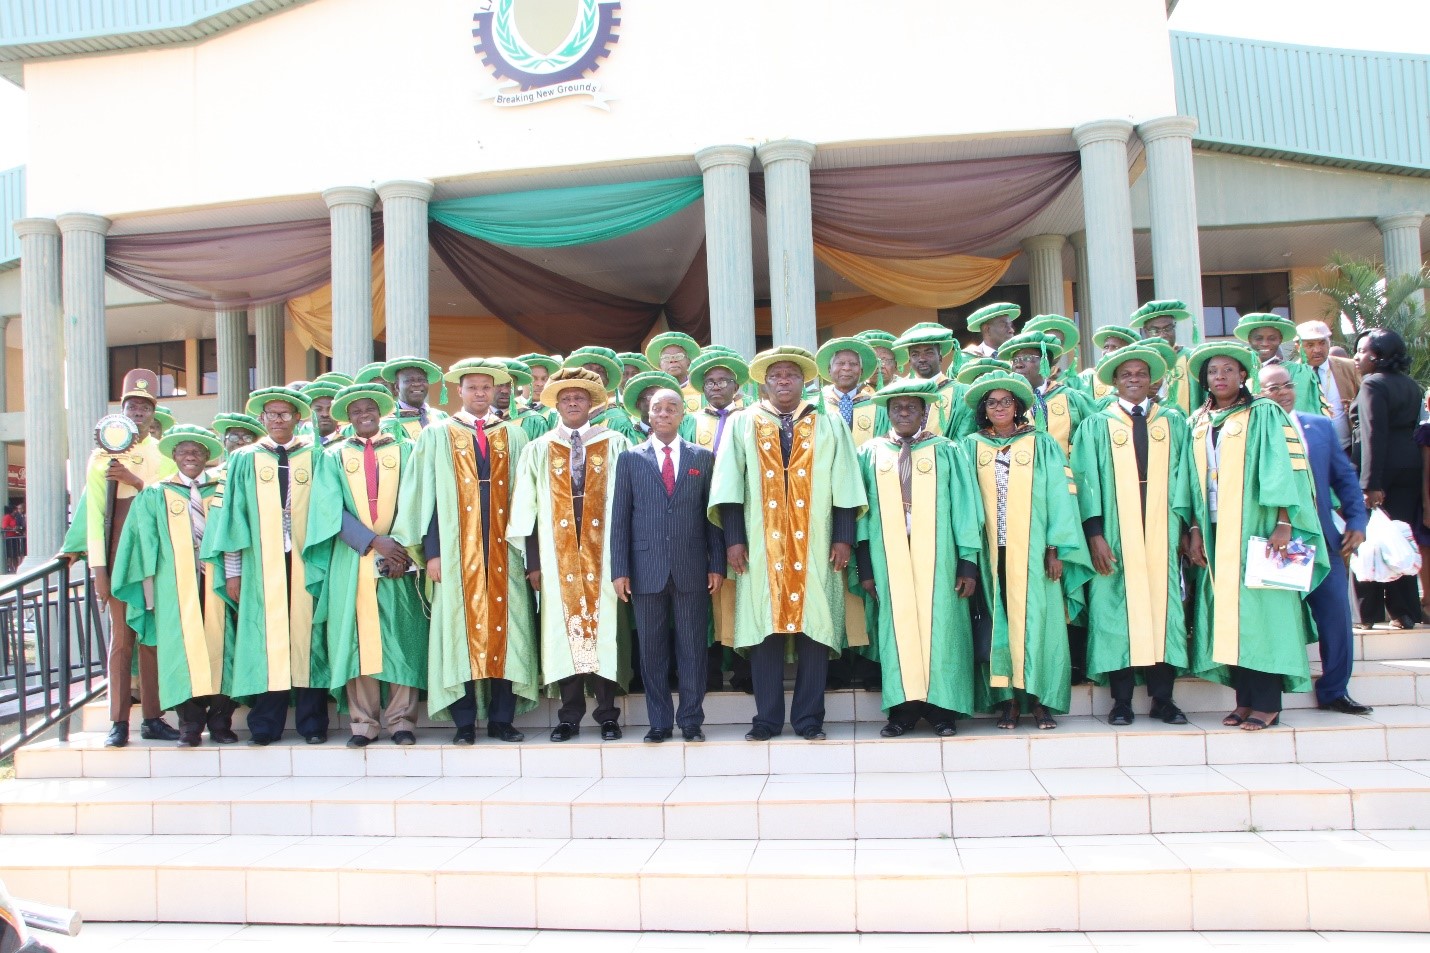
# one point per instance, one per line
(553, 218)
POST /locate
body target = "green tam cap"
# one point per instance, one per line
(1056, 322)
(643, 382)
(678, 339)
(520, 371)
(877, 338)
(777, 355)
(1015, 384)
(1235, 350)
(288, 395)
(478, 365)
(369, 391)
(552, 364)
(977, 367)
(1166, 308)
(1250, 322)
(226, 422)
(1033, 341)
(164, 416)
(1118, 332)
(321, 388)
(868, 360)
(603, 356)
(1167, 352)
(1107, 367)
(190, 433)
(370, 372)
(632, 359)
(925, 332)
(988, 312)
(924, 390)
(390, 369)
(333, 377)
(711, 359)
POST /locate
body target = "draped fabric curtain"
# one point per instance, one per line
(552, 218)
(312, 313)
(944, 282)
(234, 267)
(828, 313)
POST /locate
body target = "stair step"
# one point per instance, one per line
(1346, 880)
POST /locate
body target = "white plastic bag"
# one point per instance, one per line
(1389, 550)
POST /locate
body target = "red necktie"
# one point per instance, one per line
(369, 469)
(667, 473)
(481, 427)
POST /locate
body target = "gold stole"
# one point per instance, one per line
(201, 610)
(389, 460)
(579, 549)
(1099, 389)
(1019, 522)
(911, 576)
(940, 411)
(413, 426)
(864, 414)
(486, 574)
(1060, 418)
(1144, 547)
(287, 626)
(694, 399)
(784, 495)
(1231, 480)
(1179, 385)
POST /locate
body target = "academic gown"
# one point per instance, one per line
(1261, 467)
(1067, 408)
(410, 428)
(789, 518)
(615, 419)
(922, 628)
(1135, 616)
(465, 617)
(375, 627)
(1029, 645)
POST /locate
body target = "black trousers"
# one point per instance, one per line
(269, 713)
(767, 671)
(1160, 679)
(908, 714)
(1397, 599)
(684, 640)
(1259, 691)
(573, 699)
(214, 712)
(501, 704)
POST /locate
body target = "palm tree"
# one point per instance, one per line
(1360, 293)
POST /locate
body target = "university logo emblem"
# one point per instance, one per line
(540, 50)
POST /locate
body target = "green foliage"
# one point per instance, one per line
(1360, 294)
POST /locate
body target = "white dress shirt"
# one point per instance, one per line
(659, 448)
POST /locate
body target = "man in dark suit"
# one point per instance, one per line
(669, 559)
(1330, 601)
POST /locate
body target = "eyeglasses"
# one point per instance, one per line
(997, 403)
(719, 382)
(1025, 359)
(1278, 388)
(279, 414)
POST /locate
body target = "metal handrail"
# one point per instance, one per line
(52, 651)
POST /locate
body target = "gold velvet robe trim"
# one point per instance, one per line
(484, 574)
(579, 550)
(785, 493)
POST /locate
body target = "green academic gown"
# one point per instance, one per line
(1135, 616)
(811, 593)
(1260, 467)
(375, 626)
(1067, 408)
(923, 630)
(532, 423)
(430, 487)
(615, 419)
(1308, 386)
(594, 639)
(410, 428)
(1029, 645)
(276, 646)
(189, 624)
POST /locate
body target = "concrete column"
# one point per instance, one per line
(41, 316)
(1172, 199)
(268, 345)
(1403, 256)
(231, 334)
(728, 253)
(4, 403)
(404, 227)
(86, 356)
(1107, 216)
(350, 215)
(791, 242)
(1083, 300)
(1045, 272)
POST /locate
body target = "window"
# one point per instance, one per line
(166, 359)
(1225, 298)
(208, 365)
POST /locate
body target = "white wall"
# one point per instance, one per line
(354, 91)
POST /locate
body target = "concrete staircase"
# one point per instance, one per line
(1320, 824)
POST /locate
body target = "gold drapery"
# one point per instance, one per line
(312, 314)
(943, 282)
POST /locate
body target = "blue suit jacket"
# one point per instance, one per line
(656, 538)
(1331, 469)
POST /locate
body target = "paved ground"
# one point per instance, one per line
(223, 938)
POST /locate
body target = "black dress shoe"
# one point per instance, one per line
(654, 736)
(1347, 705)
(223, 736)
(742, 684)
(359, 741)
(759, 733)
(945, 729)
(503, 731)
(812, 733)
(190, 738)
(565, 731)
(873, 685)
(316, 738)
(157, 729)
(465, 736)
(258, 741)
(1168, 712)
(118, 735)
(692, 734)
(1121, 714)
(404, 738)
(893, 730)
(610, 731)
